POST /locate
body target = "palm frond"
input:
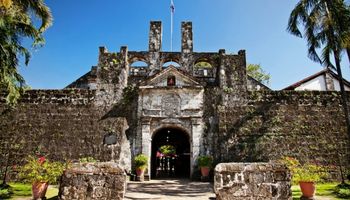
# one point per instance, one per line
(40, 9)
(297, 14)
(326, 54)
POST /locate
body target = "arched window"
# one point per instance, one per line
(139, 64)
(171, 81)
(138, 68)
(167, 64)
(203, 68)
(202, 65)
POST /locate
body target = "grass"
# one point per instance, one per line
(326, 190)
(20, 190)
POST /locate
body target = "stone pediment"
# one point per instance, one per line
(170, 77)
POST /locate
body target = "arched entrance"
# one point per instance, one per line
(170, 154)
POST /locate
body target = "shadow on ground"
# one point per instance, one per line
(167, 189)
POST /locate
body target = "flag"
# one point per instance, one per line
(172, 7)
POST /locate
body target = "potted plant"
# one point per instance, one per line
(168, 150)
(306, 175)
(41, 172)
(205, 163)
(141, 163)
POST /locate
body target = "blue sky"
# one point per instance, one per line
(81, 26)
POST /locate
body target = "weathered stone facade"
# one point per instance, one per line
(247, 181)
(217, 108)
(93, 181)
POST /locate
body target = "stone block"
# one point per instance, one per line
(257, 182)
(93, 181)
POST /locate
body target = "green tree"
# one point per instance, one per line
(16, 23)
(326, 27)
(256, 71)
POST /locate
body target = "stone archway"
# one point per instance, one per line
(176, 165)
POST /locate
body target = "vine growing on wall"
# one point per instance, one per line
(129, 94)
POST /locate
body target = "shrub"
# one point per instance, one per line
(87, 160)
(41, 170)
(141, 161)
(5, 193)
(305, 172)
(205, 161)
(343, 191)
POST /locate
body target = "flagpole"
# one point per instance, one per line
(171, 32)
(172, 9)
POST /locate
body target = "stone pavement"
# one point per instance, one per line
(169, 190)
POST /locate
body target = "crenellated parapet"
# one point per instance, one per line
(212, 68)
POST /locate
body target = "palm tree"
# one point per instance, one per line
(15, 24)
(326, 27)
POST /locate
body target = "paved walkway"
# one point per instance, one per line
(169, 189)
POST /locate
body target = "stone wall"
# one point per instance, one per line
(245, 181)
(62, 125)
(254, 85)
(270, 124)
(239, 125)
(93, 181)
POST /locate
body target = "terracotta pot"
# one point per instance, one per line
(39, 190)
(205, 171)
(139, 172)
(308, 189)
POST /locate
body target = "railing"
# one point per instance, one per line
(139, 71)
(165, 166)
(204, 72)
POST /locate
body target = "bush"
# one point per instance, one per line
(305, 172)
(5, 193)
(87, 160)
(205, 161)
(343, 191)
(141, 161)
(41, 170)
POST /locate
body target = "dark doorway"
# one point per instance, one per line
(174, 161)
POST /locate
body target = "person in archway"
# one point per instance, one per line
(159, 157)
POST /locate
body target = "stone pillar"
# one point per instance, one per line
(187, 37)
(196, 141)
(155, 36)
(155, 44)
(187, 46)
(112, 77)
(241, 70)
(102, 50)
(146, 144)
(233, 80)
(329, 82)
(124, 64)
(222, 68)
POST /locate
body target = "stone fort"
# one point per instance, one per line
(117, 111)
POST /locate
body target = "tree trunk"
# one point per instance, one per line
(348, 52)
(343, 94)
(4, 182)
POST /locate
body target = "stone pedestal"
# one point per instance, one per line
(93, 181)
(246, 181)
